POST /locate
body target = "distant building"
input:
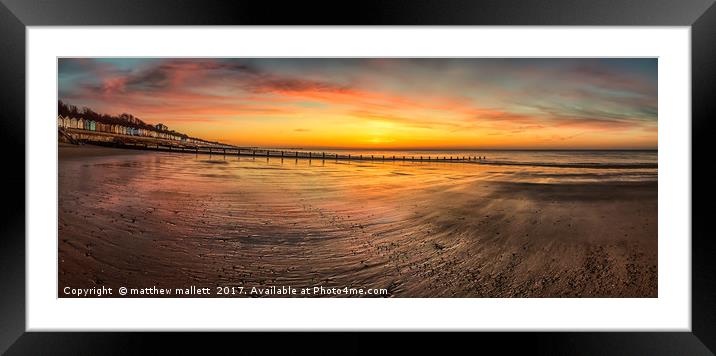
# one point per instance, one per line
(127, 125)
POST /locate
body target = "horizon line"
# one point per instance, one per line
(455, 149)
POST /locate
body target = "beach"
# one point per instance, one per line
(173, 220)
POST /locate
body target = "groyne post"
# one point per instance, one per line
(182, 148)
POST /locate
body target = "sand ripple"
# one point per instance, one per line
(418, 230)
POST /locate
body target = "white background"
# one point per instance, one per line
(670, 311)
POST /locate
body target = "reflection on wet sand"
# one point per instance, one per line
(417, 229)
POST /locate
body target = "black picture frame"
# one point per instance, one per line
(16, 15)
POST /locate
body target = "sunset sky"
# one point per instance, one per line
(380, 102)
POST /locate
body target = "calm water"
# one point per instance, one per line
(534, 157)
(544, 166)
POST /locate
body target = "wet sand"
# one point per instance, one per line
(143, 219)
(71, 151)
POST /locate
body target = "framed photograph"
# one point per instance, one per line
(445, 167)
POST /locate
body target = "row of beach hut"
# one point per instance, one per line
(92, 125)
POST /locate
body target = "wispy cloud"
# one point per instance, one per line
(440, 99)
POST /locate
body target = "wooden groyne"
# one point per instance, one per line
(310, 155)
(130, 142)
(269, 153)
